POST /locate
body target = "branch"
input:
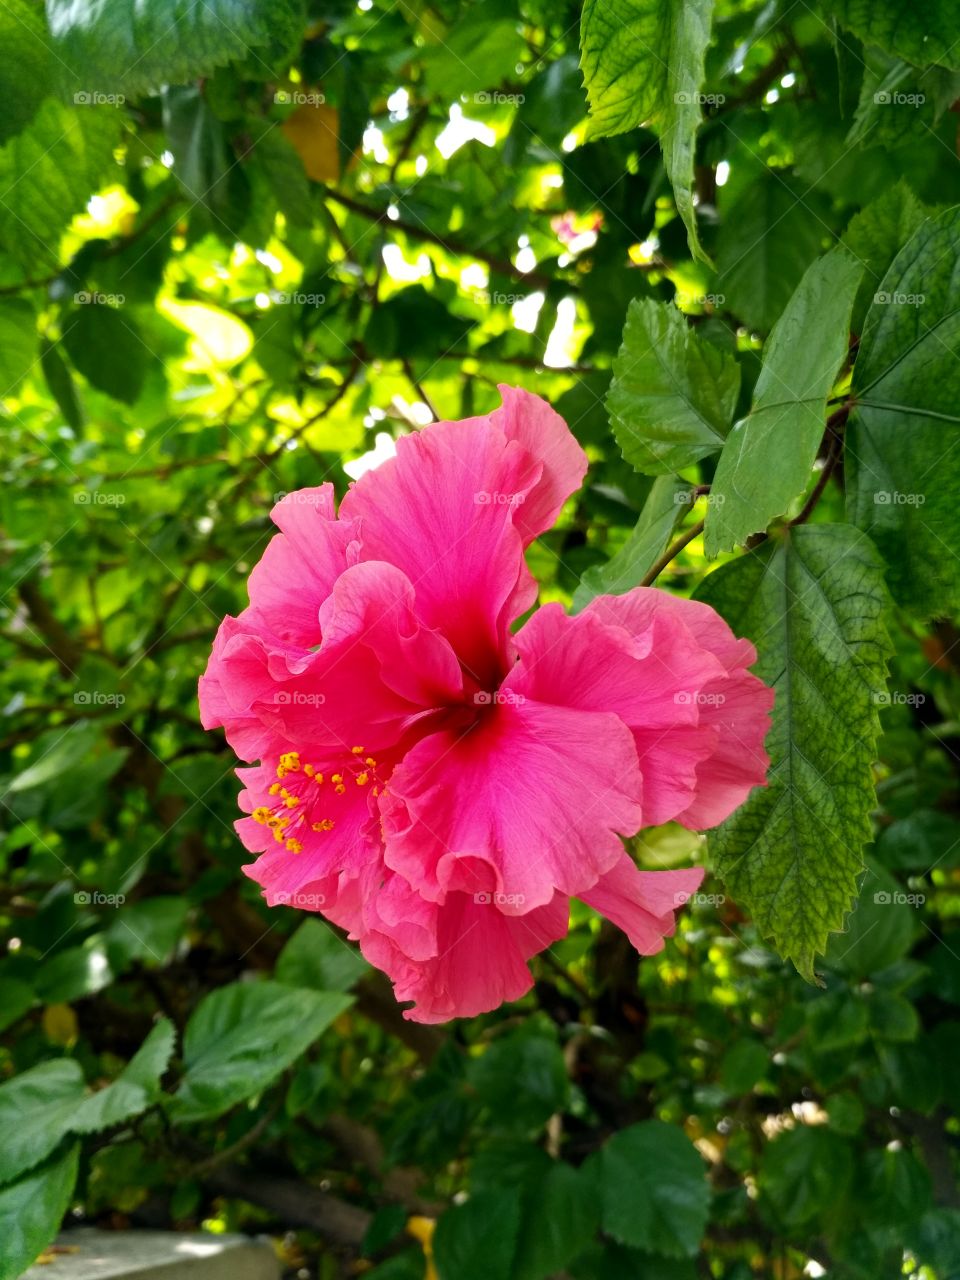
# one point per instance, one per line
(671, 553)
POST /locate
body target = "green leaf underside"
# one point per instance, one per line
(667, 500)
(768, 455)
(643, 61)
(673, 393)
(902, 445)
(812, 602)
(875, 236)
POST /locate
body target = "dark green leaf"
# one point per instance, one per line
(813, 603)
(32, 1209)
(105, 346)
(476, 1240)
(315, 957)
(920, 33)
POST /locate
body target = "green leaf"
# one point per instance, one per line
(653, 1189)
(768, 237)
(32, 1209)
(521, 1079)
(813, 603)
(136, 1087)
(474, 53)
(743, 1065)
(106, 348)
(922, 34)
(879, 932)
(667, 501)
(133, 48)
(35, 1110)
(60, 384)
(901, 462)
(18, 342)
(643, 62)
(47, 174)
(315, 957)
(673, 395)
(16, 998)
(241, 1037)
(476, 1240)
(559, 1220)
(147, 931)
(26, 66)
(804, 1170)
(875, 236)
(768, 455)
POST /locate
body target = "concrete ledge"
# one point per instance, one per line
(157, 1255)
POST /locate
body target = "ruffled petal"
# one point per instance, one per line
(450, 511)
(643, 903)
(479, 954)
(651, 678)
(534, 795)
(734, 708)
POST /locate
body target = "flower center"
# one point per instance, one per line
(305, 794)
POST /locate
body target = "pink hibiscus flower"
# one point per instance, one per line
(435, 784)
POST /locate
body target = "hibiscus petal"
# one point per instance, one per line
(479, 958)
(650, 678)
(643, 903)
(735, 707)
(451, 511)
(538, 793)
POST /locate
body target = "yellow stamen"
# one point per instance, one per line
(291, 802)
(362, 779)
(295, 846)
(371, 762)
(325, 824)
(318, 779)
(275, 788)
(339, 788)
(261, 815)
(375, 791)
(290, 760)
(309, 770)
(357, 751)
